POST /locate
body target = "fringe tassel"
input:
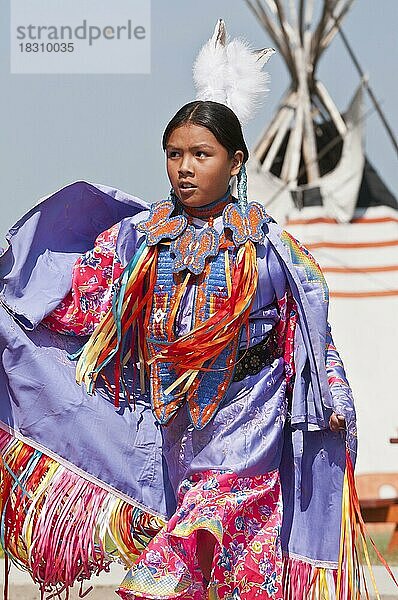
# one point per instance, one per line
(64, 529)
(303, 581)
(350, 580)
(188, 354)
(129, 307)
(59, 526)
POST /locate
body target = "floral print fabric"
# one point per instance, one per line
(243, 514)
(93, 280)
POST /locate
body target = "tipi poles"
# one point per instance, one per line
(331, 26)
(286, 33)
(287, 114)
(370, 91)
(273, 30)
(301, 19)
(286, 106)
(331, 108)
(301, 43)
(310, 151)
(320, 31)
(301, 56)
(291, 161)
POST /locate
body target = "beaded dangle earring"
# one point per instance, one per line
(242, 188)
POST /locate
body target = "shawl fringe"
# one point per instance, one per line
(63, 529)
(60, 527)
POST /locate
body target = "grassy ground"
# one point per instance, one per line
(381, 536)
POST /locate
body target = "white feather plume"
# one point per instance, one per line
(231, 73)
(209, 72)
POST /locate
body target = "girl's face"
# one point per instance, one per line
(198, 166)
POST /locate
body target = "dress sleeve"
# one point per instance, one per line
(343, 402)
(93, 282)
(340, 390)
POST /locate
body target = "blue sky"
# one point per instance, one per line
(56, 129)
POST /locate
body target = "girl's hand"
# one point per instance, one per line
(337, 422)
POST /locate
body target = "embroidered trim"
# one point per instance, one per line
(301, 257)
(321, 564)
(192, 250)
(160, 224)
(245, 224)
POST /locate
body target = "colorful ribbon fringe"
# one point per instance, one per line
(351, 579)
(63, 529)
(128, 313)
(59, 526)
(303, 581)
(188, 354)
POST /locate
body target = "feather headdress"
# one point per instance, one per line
(230, 72)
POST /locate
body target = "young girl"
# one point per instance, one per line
(226, 470)
(230, 443)
(209, 333)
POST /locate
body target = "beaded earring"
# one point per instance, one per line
(242, 188)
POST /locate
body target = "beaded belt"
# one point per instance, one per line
(252, 360)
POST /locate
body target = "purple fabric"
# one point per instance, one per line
(39, 396)
(246, 435)
(36, 269)
(41, 400)
(312, 473)
(254, 430)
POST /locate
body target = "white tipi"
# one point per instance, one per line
(310, 170)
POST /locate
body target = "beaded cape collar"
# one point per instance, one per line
(190, 247)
